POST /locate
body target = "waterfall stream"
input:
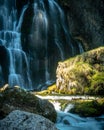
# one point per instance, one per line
(10, 39)
(32, 41)
(69, 121)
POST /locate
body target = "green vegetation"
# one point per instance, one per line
(97, 84)
(83, 74)
(80, 75)
(89, 108)
(84, 107)
(51, 90)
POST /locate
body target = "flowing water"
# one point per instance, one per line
(48, 26)
(10, 39)
(32, 41)
(69, 121)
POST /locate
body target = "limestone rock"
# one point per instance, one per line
(20, 120)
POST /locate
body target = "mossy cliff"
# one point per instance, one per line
(83, 74)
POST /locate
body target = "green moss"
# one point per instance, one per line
(89, 108)
(98, 75)
(86, 90)
(97, 84)
(77, 78)
(82, 74)
(86, 108)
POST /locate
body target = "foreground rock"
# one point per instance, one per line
(18, 99)
(20, 120)
(83, 74)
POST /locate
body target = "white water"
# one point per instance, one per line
(69, 121)
(10, 39)
(66, 97)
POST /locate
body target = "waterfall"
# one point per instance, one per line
(32, 41)
(18, 73)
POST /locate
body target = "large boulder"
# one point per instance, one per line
(83, 74)
(19, 99)
(20, 120)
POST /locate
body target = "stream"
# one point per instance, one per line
(69, 121)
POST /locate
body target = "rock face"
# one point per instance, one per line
(18, 99)
(20, 120)
(83, 74)
(86, 21)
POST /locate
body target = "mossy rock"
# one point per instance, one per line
(82, 74)
(51, 90)
(19, 99)
(97, 84)
(89, 108)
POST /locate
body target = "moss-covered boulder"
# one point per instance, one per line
(83, 74)
(90, 108)
(19, 99)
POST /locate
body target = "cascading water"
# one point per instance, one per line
(18, 70)
(32, 42)
(69, 121)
